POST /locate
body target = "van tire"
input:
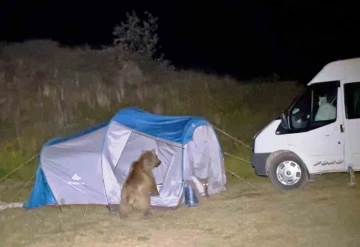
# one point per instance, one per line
(283, 157)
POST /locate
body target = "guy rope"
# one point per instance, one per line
(236, 157)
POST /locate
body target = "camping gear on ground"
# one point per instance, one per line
(190, 197)
(201, 185)
(90, 167)
(352, 176)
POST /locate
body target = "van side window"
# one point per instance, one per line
(352, 100)
(324, 104)
(316, 107)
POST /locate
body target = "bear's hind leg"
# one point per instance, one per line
(125, 209)
(143, 205)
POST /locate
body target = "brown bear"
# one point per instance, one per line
(138, 184)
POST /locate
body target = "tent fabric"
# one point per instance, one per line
(90, 167)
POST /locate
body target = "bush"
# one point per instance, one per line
(133, 37)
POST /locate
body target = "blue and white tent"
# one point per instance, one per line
(91, 166)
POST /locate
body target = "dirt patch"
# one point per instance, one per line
(324, 213)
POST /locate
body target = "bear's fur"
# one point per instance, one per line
(138, 184)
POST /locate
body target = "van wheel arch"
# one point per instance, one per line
(273, 161)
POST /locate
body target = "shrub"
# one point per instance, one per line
(131, 36)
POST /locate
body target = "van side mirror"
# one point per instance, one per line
(284, 121)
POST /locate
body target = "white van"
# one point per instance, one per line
(319, 133)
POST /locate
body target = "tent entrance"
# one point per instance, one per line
(169, 173)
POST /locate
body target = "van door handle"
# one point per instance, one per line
(341, 127)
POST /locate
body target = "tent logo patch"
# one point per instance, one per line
(75, 180)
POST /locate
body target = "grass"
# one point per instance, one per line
(323, 214)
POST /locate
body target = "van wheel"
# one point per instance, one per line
(287, 172)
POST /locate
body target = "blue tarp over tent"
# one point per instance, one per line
(172, 128)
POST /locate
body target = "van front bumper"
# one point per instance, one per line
(258, 162)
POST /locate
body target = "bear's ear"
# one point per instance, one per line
(153, 150)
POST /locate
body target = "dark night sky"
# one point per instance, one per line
(245, 38)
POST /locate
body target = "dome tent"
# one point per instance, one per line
(89, 167)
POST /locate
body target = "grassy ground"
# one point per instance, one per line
(323, 214)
